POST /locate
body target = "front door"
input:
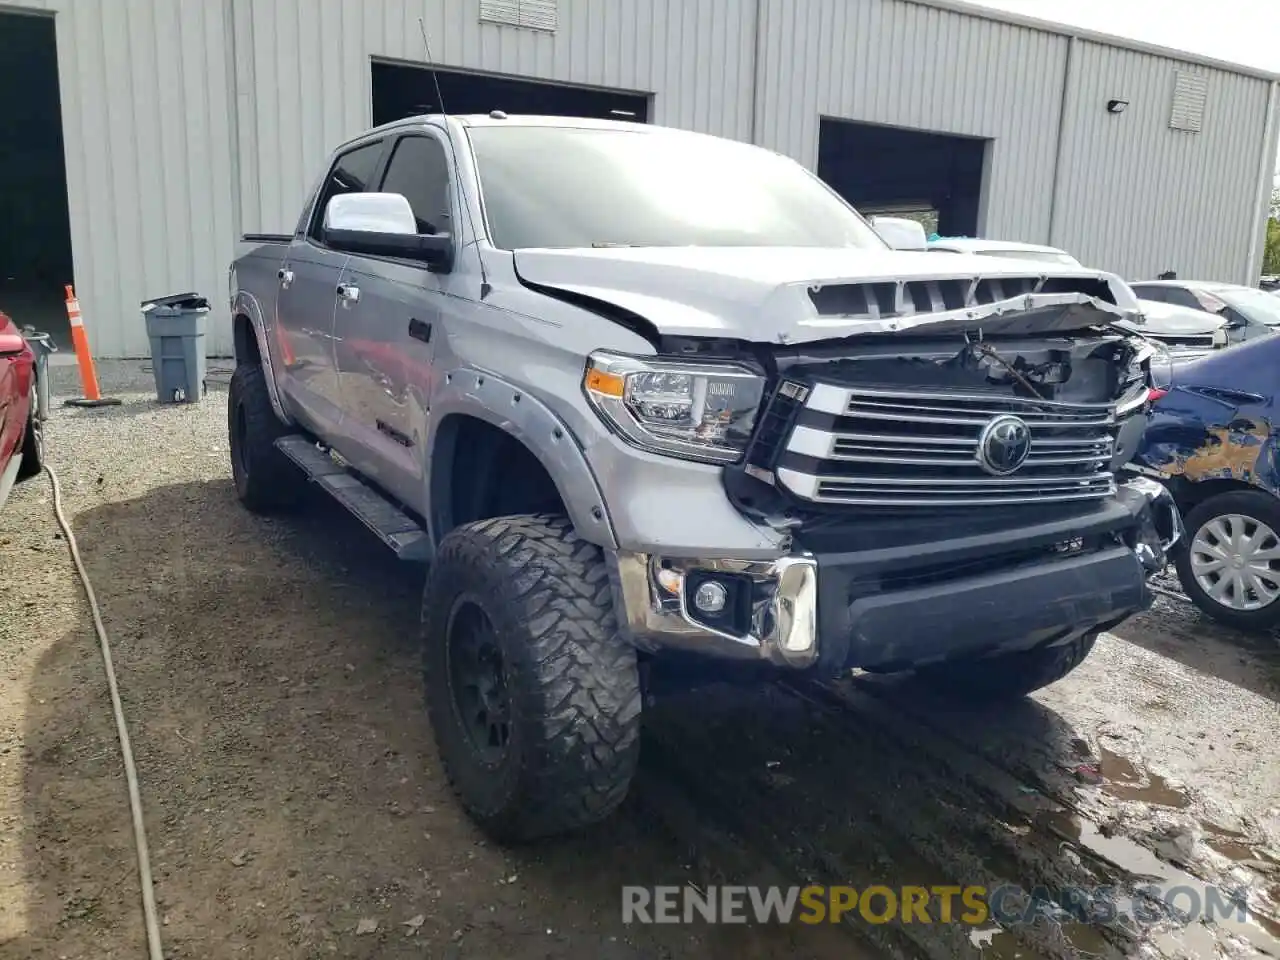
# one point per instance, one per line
(385, 328)
(305, 301)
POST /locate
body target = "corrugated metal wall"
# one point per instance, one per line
(147, 131)
(1139, 197)
(884, 61)
(188, 122)
(304, 79)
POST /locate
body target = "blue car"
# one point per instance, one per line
(1211, 440)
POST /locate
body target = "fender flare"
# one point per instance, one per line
(245, 304)
(478, 394)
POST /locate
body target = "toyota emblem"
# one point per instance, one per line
(1004, 445)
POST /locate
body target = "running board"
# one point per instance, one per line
(392, 525)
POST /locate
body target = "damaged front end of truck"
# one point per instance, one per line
(945, 469)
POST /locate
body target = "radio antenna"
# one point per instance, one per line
(485, 288)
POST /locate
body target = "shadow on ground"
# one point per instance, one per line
(270, 672)
(1178, 630)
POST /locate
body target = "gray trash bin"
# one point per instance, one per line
(176, 327)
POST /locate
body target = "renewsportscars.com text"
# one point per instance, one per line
(971, 905)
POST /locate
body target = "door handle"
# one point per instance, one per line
(285, 276)
(420, 330)
(348, 292)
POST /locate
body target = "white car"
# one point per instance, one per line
(1185, 333)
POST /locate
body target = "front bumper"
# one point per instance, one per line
(895, 607)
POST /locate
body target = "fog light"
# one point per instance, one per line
(710, 597)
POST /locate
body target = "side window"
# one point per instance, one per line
(352, 172)
(1203, 300)
(1160, 294)
(419, 171)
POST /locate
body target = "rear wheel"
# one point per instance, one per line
(265, 479)
(1006, 676)
(1230, 567)
(533, 695)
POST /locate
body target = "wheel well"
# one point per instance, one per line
(479, 471)
(245, 341)
(1190, 495)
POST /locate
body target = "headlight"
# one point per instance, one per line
(695, 411)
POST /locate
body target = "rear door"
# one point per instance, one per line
(306, 301)
(385, 328)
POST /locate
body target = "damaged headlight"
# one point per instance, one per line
(695, 411)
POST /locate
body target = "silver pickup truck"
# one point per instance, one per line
(632, 391)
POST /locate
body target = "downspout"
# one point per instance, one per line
(757, 36)
(1265, 183)
(233, 117)
(1061, 143)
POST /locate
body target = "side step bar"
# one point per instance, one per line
(392, 525)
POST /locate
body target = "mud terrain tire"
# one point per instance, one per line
(1008, 676)
(266, 480)
(561, 754)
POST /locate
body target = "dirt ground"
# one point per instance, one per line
(295, 807)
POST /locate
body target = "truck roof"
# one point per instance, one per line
(499, 119)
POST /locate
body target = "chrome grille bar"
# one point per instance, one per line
(929, 456)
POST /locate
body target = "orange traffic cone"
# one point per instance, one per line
(84, 359)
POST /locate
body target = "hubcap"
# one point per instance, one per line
(478, 681)
(1236, 561)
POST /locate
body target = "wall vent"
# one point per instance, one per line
(529, 14)
(1189, 93)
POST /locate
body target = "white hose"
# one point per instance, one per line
(154, 950)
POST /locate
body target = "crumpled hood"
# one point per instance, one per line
(795, 295)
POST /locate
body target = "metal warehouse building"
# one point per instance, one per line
(144, 136)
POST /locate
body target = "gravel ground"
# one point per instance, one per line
(295, 807)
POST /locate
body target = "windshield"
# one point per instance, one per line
(1257, 305)
(1043, 256)
(575, 187)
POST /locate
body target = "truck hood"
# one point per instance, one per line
(797, 295)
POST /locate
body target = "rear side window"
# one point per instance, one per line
(352, 172)
(419, 171)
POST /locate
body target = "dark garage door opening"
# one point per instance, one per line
(401, 90)
(35, 225)
(881, 169)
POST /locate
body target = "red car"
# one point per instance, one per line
(21, 436)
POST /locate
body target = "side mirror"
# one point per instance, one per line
(900, 233)
(383, 224)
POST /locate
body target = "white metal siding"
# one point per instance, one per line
(885, 61)
(146, 126)
(308, 82)
(188, 122)
(1139, 197)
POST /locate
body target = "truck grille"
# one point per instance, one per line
(885, 447)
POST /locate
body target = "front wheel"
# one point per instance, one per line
(1007, 676)
(533, 696)
(33, 439)
(1230, 567)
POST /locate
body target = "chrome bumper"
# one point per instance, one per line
(782, 594)
(779, 598)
